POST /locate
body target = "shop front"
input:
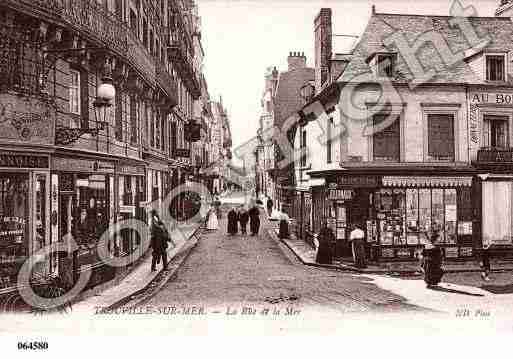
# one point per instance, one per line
(85, 209)
(131, 185)
(495, 183)
(24, 214)
(398, 213)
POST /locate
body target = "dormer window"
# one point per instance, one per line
(385, 65)
(495, 67)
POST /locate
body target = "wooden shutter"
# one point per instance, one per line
(441, 136)
(386, 141)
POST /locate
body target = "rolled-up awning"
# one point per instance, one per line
(426, 181)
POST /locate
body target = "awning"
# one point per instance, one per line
(426, 181)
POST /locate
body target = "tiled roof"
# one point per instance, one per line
(381, 26)
(288, 99)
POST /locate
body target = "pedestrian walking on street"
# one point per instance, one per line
(233, 222)
(270, 206)
(254, 220)
(212, 223)
(357, 238)
(243, 220)
(432, 261)
(326, 239)
(284, 226)
(485, 262)
(158, 243)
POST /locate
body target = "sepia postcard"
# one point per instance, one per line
(219, 168)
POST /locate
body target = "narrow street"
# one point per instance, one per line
(235, 271)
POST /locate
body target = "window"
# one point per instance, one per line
(385, 63)
(329, 132)
(440, 137)
(74, 92)
(303, 148)
(386, 141)
(495, 68)
(134, 114)
(118, 127)
(495, 131)
(134, 22)
(145, 33)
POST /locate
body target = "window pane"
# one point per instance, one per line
(412, 215)
(441, 137)
(386, 140)
(438, 213)
(424, 212)
(495, 68)
(450, 216)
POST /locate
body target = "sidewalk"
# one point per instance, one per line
(307, 255)
(141, 277)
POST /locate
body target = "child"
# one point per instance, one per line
(485, 262)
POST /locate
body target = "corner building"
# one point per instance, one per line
(62, 170)
(432, 155)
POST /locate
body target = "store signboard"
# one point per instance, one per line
(182, 152)
(451, 252)
(355, 182)
(340, 194)
(81, 165)
(493, 155)
(12, 160)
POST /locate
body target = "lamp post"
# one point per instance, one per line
(105, 96)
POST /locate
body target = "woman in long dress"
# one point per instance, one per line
(432, 262)
(212, 223)
(254, 220)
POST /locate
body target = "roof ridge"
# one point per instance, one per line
(501, 18)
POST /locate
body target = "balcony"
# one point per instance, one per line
(167, 83)
(179, 53)
(494, 156)
(92, 22)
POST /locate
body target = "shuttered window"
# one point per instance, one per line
(495, 68)
(440, 137)
(386, 141)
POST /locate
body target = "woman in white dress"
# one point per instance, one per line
(212, 223)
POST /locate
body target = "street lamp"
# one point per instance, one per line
(105, 96)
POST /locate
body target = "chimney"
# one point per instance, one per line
(296, 60)
(322, 34)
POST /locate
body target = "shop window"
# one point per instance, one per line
(74, 92)
(386, 141)
(497, 212)
(495, 131)
(495, 68)
(440, 137)
(118, 122)
(89, 211)
(14, 230)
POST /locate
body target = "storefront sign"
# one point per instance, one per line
(493, 155)
(27, 120)
(23, 161)
(130, 170)
(182, 152)
(81, 165)
(466, 251)
(403, 253)
(340, 194)
(356, 181)
(496, 98)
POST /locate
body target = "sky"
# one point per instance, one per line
(242, 38)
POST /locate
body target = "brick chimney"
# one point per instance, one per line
(296, 60)
(322, 34)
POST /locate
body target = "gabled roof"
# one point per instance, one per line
(381, 26)
(288, 98)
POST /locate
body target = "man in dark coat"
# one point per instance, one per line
(159, 239)
(326, 240)
(254, 218)
(270, 206)
(233, 219)
(243, 220)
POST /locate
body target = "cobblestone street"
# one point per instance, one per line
(235, 271)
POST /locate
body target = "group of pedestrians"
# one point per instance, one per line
(238, 219)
